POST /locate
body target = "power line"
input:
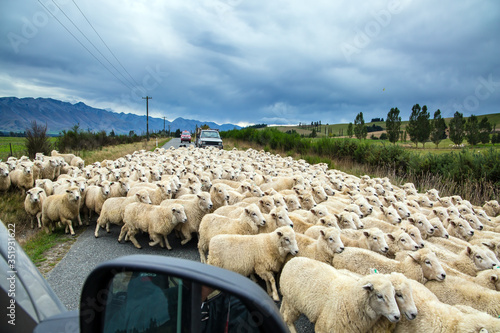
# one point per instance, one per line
(104, 43)
(105, 58)
(83, 45)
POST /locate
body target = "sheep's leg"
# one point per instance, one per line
(38, 218)
(270, 283)
(166, 242)
(107, 227)
(156, 239)
(290, 315)
(122, 233)
(33, 222)
(203, 257)
(69, 225)
(96, 233)
(79, 219)
(186, 233)
(131, 235)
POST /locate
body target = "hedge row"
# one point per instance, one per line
(458, 166)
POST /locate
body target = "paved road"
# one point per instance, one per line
(68, 276)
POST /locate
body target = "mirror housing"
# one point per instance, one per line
(94, 297)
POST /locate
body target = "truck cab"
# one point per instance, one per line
(208, 138)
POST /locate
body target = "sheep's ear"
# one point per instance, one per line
(322, 221)
(337, 216)
(415, 256)
(468, 250)
(453, 223)
(322, 232)
(247, 211)
(274, 215)
(411, 220)
(138, 195)
(368, 287)
(493, 278)
(173, 210)
(366, 233)
(488, 244)
(279, 233)
(391, 237)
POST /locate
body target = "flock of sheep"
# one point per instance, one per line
(351, 253)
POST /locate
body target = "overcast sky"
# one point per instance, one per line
(253, 61)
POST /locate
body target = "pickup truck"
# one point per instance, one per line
(208, 138)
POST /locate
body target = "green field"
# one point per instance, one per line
(15, 146)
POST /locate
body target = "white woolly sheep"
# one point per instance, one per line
(113, 210)
(46, 184)
(195, 206)
(335, 300)
(95, 196)
(399, 241)
(219, 196)
(372, 239)
(283, 183)
(119, 188)
(4, 177)
(459, 228)
(492, 208)
(77, 162)
(323, 248)
(419, 265)
(67, 157)
(212, 224)
(33, 204)
(278, 217)
(472, 259)
(22, 177)
(158, 221)
(261, 254)
(455, 290)
(61, 208)
(157, 195)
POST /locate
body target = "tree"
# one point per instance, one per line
(384, 136)
(177, 133)
(37, 140)
(472, 130)
(313, 133)
(350, 130)
(412, 127)
(457, 132)
(359, 127)
(485, 130)
(438, 128)
(393, 125)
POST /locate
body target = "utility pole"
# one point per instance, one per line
(147, 98)
(163, 124)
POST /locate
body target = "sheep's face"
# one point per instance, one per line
(345, 220)
(319, 194)
(34, 195)
(178, 214)
(307, 201)
(73, 194)
(266, 204)
(402, 210)
(446, 202)
(353, 208)
(460, 228)
(404, 296)
(280, 215)
(279, 201)
(374, 201)
(441, 213)
(329, 221)
(415, 234)
(482, 257)
(422, 223)
(331, 237)
(431, 267)
(473, 221)
(204, 201)
(380, 295)
(292, 202)
(287, 241)
(439, 229)
(405, 242)
(143, 196)
(376, 240)
(255, 215)
(391, 215)
(433, 195)
(482, 216)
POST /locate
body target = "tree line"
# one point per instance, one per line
(422, 129)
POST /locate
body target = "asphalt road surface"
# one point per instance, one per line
(69, 275)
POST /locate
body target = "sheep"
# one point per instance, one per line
(278, 217)
(61, 207)
(322, 248)
(419, 265)
(335, 300)
(77, 162)
(473, 221)
(489, 278)
(492, 208)
(459, 228)
(33, 204)
(456, 290)
(420, 221)
(196, 206)
(292, 202)
(67, 157)
(435, 316)
(5, 181)
(372, 239)
(95, 196)
(212, 224)
(157, 195)
(22, 177)
(472, 259)
(262, 254)
(113, 209)
(119, 188)
(399, 241)
(156, 220)
(46, 184)
(283, 183)
(219, 196)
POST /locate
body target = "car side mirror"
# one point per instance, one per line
(145, 293)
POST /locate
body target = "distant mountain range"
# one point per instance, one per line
(16, 115)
